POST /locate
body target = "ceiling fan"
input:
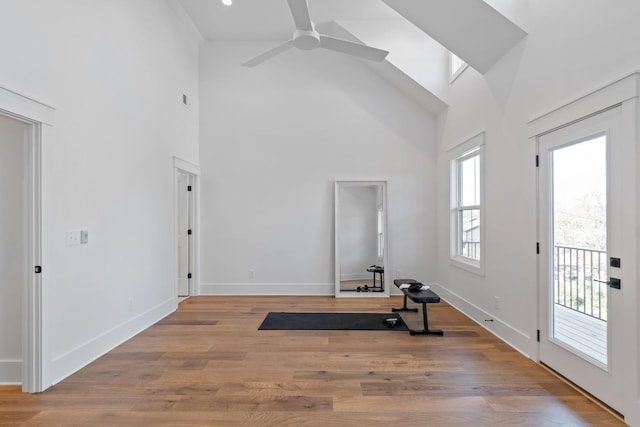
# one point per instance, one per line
(306, 37)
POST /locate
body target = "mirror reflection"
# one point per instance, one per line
(360, 238)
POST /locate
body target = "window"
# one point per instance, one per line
(457, 66)
(380, 233)
(466, 204)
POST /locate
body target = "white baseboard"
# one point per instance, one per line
(72, 361)
(517, 339)
(302, 289)
(10, 372)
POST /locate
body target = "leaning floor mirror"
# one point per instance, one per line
(361, 238)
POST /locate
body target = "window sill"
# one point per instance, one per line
(472, 266)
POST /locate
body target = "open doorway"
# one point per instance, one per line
(184, 233)
(14, 245)
(185, 228)
(24, 124)
(36, 118)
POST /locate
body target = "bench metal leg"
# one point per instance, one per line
(376, 288)
(425, 319)
(405, 308)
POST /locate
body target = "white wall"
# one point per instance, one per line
(13, 268)
(273, 140)
(573, 47)
(115, 71)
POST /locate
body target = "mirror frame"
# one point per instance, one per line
(337, 186)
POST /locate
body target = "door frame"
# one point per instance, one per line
(186, 167)
(604, 378)
(625, 93)
(40, 117)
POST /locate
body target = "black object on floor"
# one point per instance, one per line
(423, 297)
(332, 321)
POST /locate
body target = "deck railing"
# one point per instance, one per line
(471, 249)
(578, 280)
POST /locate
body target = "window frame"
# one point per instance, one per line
(464, 151)
(454, 74)
(380, 232)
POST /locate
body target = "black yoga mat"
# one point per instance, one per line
(330, 321)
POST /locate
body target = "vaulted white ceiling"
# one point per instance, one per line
(417, 33)
(471, 29)
(271, 19)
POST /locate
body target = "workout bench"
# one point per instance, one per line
(421, 297)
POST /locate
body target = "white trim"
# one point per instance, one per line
(24, 106)
(468, 144)
(186, 166)
(85, 353)
(517, 339)
(616, 92)
(275, 289)
(32, 332)
(468, 264)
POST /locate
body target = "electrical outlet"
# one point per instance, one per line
(84, 237)
(252, 274)
(496, 303)
(398, 274)
(73, 238)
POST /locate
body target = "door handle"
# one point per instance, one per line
(612, 282)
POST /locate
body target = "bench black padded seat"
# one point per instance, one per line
(421, 297)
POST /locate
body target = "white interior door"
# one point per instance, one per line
(185, 232)
(581, 186)
(13, 245)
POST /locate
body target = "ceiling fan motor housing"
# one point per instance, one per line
(306, 39)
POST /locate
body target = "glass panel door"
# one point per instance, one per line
(579, 212)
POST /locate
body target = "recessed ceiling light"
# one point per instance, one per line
(227, 2)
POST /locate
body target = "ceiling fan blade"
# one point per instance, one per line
(351, 48)
(300, 12)
(269, 54)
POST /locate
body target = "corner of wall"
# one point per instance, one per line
(186, 21)
(517, 339)
(79, 357)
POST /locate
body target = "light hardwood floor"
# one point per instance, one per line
(209, 365)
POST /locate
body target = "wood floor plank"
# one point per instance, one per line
(208, 365)
(242, 404)
(411, 404)
(292, 388)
